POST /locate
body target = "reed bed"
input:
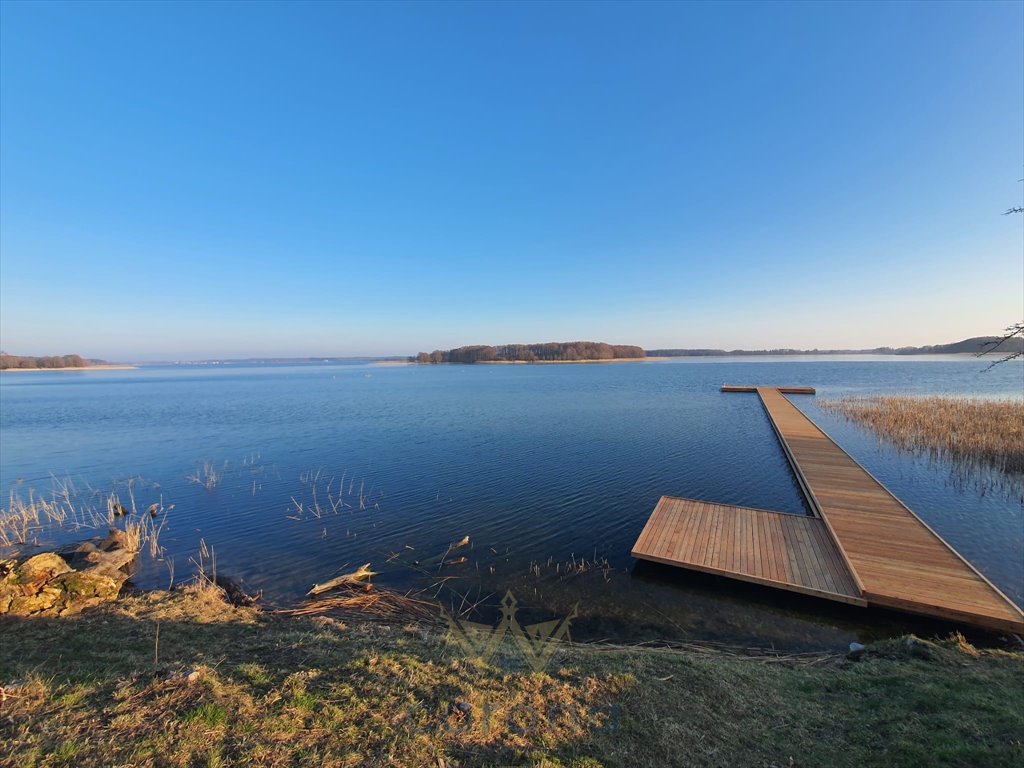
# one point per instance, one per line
(30, 516)
(983, 433)
(27, 516)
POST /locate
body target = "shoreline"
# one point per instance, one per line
(74, 368)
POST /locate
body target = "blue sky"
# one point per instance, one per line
(190, 180)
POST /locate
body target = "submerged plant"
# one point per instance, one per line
(208, 475)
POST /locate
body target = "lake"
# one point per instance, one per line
(321, 468)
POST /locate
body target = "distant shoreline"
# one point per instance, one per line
(73, 368)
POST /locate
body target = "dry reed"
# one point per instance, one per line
(325, 498)
(575, 566)
(987, 433)
(374, 604)
(27, 517)
(207, 475)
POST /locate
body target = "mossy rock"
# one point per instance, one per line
(24, 590)
(38, 570)
(44, 585)
(39, 603)
(79, 585)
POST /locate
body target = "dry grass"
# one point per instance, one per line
(182, 679)
(988, 433)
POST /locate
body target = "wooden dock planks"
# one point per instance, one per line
(791, 552)
(862, 546)
(898, 561)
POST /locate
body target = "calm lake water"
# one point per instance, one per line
(538, 465)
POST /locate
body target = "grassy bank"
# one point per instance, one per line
(986, 432)
(184, 679)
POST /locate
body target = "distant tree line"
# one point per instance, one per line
(54, 361)
(977, 345)
(565, 351)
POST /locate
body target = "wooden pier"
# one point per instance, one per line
(861, 545)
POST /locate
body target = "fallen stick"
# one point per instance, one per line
(439, 559)
(363, 573)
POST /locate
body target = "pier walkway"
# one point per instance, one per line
(861, 545)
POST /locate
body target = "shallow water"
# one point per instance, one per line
(537, 464)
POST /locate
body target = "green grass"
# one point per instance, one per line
(234, 687)
(209, 714)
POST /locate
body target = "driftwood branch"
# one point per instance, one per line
(363, 573)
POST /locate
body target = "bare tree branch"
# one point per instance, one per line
(1013, 331)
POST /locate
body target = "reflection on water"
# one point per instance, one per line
(292, 474)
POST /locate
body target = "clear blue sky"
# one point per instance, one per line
(190, 180)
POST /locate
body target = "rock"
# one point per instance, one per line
(42, 601)
(116, 539)
(235, 594)
(77, 554)
(79, 585)
(45, 585)
(37, 570)
(856, 651)
(109, 562)
(109, 554)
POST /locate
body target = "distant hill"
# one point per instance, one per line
(967, 346)
(974, 346)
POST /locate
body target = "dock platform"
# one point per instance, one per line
(793, 552)
(861, 545)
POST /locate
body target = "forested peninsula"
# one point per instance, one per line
(550, 352)
(54, 361)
